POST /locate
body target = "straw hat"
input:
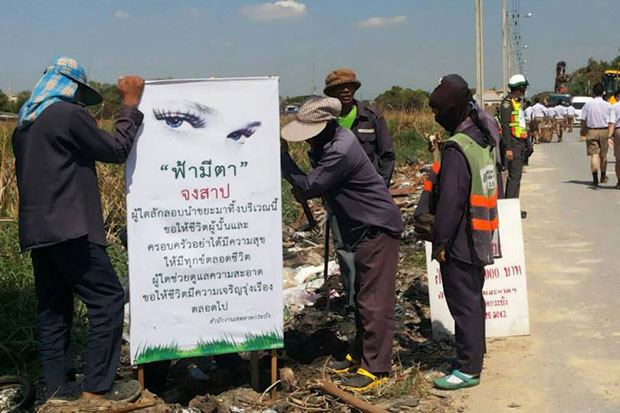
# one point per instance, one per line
(311, 119)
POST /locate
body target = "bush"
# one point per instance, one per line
(18, 303)
(402, 99)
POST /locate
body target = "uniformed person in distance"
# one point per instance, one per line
(514, 133)
(597, 125)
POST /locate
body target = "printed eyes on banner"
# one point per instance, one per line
(241, 135)
(184, 117)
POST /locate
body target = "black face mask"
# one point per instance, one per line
(451, 101)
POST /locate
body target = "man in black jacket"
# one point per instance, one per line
(56, 144)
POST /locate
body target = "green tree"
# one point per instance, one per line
(584, 78)
(401, 99)
(4, 102)
(22, 97)
(111, 105)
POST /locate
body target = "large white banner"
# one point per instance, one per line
(505, 285)
(204, 220)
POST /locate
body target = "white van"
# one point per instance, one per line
(578, 102)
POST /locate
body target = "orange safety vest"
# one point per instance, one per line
(483, 217)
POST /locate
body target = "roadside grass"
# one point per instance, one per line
(18, 344)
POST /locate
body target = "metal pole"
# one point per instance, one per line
(504, 47)
(479, 56)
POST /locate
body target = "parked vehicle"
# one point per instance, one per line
(578, 102)
(554, 98)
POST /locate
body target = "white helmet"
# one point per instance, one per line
(517, 80)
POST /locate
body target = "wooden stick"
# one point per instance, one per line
(141, 376)
(132, 407)
(326, 264)
(254, 370)
(348, 398)
(274, 374)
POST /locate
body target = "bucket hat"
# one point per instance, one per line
(340, 77)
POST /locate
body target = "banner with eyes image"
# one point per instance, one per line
(204, 220)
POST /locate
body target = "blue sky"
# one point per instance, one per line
(406, 42)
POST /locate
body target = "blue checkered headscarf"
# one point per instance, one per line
(58, 84)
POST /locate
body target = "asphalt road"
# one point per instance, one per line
(571, 360)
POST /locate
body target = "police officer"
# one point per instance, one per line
(514, 133)
(371, 130)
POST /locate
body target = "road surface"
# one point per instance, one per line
(571, 360)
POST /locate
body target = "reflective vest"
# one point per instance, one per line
(483, 196)
(482, 211)
(517, 120)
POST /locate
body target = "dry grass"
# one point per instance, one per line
(8, 183)
(409, 130)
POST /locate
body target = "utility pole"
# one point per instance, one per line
(504, 47)
(479, 56)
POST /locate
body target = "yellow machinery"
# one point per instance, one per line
(611, 80)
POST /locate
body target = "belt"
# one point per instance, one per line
(598, 128)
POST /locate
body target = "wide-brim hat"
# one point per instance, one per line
(311, 119)
(70, 68)
(340, 77)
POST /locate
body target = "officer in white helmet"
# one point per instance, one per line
(514, 133)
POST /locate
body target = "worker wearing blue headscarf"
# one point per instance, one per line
(56, 144)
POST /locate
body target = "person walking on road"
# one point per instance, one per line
(616, 137)
(370, 224)
(56, 144)
(560, 119)
(372, 132)
(466, 222)
(514, 133)
(570, 115)
(538, 116)
(597, 125)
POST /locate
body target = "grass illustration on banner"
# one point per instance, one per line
(252, 342)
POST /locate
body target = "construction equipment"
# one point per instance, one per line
(611, 81)
(561, 78)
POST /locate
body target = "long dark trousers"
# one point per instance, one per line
(376, 258)
(515, 168)
(84, 269)
(462, 285)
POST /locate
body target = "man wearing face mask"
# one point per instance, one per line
(464, 197)
(372, 132)
(370, 224)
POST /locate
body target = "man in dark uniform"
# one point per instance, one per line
(514, 134)
(372, 132)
